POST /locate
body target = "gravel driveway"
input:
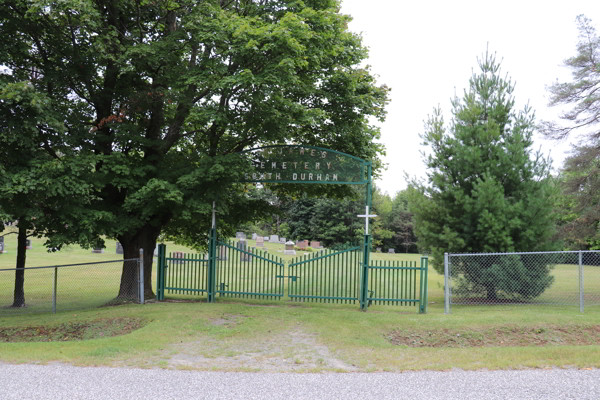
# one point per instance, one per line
(55, 381)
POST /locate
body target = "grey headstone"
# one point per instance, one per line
(266, 238)
(274, 239)
(28, 245)
(222, 253)
(379, 250)
(289, 248)
(241, 245)
(1, 244)
(254, 236)
(178, 254)
(120, 248)
(282, 240)
(392, 251)
(99, 250)
(240, 235)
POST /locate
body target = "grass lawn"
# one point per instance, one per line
(251, 335)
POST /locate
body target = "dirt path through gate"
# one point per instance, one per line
(289, 351)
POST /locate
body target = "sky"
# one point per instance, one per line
(427, 50)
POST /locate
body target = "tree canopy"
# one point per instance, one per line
(157, 98)
(580, 181)
(486, 190)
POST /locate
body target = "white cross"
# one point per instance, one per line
(366, 216)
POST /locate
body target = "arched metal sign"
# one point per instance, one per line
(304, 164)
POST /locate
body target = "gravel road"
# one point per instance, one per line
(40, 382)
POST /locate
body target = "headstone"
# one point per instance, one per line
(178, 254)
(156, 251)
(302, 244)
(260, 241)
(28, 246)
(315, 245)
(99, 250)
(240, 235)
(289, 248)
(392, 251)
(379, 250)
(254, 236)
(222, 253)
(282, 240)
(2, 245)
(241, 245)
(274, 239)
(120, 248)
(266, 238)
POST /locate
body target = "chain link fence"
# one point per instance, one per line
(553, 278)
(71, 287)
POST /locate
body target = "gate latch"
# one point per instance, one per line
(292, 277)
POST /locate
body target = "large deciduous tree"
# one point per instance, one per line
(158, 96)
(486, 191)
(35, 188)
(581, 171)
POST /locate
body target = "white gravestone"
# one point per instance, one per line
(274, 239)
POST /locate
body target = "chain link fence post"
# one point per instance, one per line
(446, 285)
(141, 276)
(54, 287)
(581, 295)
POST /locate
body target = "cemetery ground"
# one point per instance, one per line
(264, 335)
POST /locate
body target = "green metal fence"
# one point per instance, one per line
(326, 276)
(248, 272)
(398, 283)
(181, 273)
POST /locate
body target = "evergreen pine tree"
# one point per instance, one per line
(486, 191)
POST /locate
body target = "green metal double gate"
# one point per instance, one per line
(323, 276)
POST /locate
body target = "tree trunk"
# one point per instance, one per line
(19, 295)
(145, 239)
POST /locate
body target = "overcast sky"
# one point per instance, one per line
(424, 50)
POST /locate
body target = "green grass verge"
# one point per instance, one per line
(356, 339)
(308, 336)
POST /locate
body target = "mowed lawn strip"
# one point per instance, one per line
(362, 341)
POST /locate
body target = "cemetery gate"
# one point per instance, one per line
(325, 276)
(231, 269)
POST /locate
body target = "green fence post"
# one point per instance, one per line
(212, 266)
(423, 286)
(160, 279)
(364, 302)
